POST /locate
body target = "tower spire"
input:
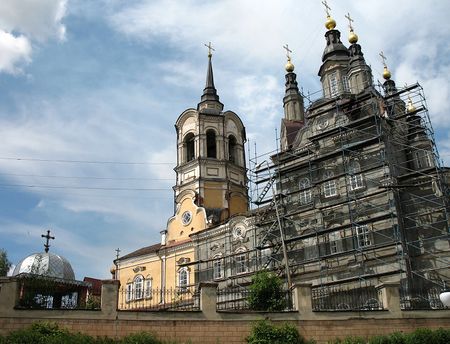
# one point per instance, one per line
(210, 99)
(292, 101)
(389, 84)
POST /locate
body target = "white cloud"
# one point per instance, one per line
(15, 51)
(38, 20)
(25, 21)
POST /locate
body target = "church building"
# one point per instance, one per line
(355, 195)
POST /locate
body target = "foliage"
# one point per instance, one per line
(5, 264)
(419, 336)
(140, 338)
(265, 333)
(266, 292)
(51, 333)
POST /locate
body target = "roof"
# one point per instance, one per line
(96, 288)
(292, 128)
(142, 251)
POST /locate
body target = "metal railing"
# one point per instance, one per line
(155, 299)
(340, 298)
(237, 299)
(420, 298)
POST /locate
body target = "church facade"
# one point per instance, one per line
(354, 197)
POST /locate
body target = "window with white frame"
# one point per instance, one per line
(138, 287)
(305, 191)
(129, 292)
(329, 186)
(334, 90)
(183, 278)
(241, 261)
(363, 236)
(355, 177)
(218, 272)
(148, 287)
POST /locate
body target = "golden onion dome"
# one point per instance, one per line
(410, 107)
(386, 73)
(289, 66)
(330, 24)
(352, 37)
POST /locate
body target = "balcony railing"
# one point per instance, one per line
(155, 299)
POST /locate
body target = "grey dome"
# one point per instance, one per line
(46, 264)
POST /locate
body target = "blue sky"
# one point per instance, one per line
(90, 90)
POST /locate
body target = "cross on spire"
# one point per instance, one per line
(350, 21)
(48, 237)
(287, 51)
(209, 46)
(383, 58)
(327, 8)
(117, 253)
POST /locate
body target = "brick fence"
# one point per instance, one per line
(209, 326)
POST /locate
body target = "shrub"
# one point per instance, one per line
(266, 292)
(140, 338)
(265, 333)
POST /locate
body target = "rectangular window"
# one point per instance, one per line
(305, 196)
(218, 269)
(329, 188)
(346, 84)
(363, 236)
(129, 293)
(356, 181)
(148, 288)
(241, 263)
(333, 85)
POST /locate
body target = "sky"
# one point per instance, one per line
(90, 92)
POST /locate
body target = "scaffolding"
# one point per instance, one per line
(362, 200)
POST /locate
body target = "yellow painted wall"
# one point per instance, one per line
(238, 204)
(176, 230)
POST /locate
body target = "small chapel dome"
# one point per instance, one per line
(289, 66)
(352, 37)
(330, 24)
(386, 73)
(45, 264)
(410, 107)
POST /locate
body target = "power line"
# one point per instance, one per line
(82, 187)
(88, 161)
(81, 177)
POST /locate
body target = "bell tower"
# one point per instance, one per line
(211, 183)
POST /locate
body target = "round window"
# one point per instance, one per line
(186, 218)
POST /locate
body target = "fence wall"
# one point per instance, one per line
(211, 326)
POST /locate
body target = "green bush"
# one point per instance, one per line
(140, 338)
(265, 333)
(266, 292)
(419, 336)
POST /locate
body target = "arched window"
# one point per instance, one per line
(355, 177)
(218, 271)
(305, 191)
(189, 147)
(183, 279)
(138, 287)
(232, 149)
(329, 186)
(211, 150)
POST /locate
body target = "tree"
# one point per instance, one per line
(5, 264)
(266, 292)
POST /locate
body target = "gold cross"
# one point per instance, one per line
(383, 58)
(327, 8)
(209, 46)
(350, 21)
(287, 51)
